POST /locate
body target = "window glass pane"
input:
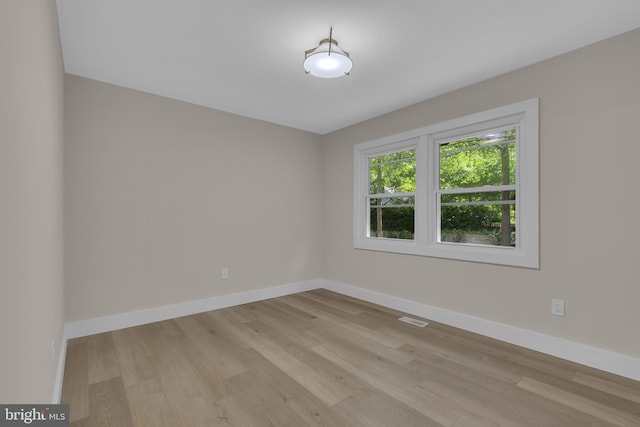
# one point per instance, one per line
(488, 159)
(479, 223)
(391, 222)
(393, 173)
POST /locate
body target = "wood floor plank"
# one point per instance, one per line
(284, 318)
(376, 408)
(334, 302)
(83, 422)
(103, 361)
(293, 314)
(149, 405)
(343, 321)
(259, 398)
(309, 408)
(190, 398)
(580, 403)
(76, 379)
(153, 339)
(327, 360)
(485, 397)
(368, 341)
(453, 359)
(624, 391)
(365, 306)
(186, 368)
(340, 380)
(213, 347)
(397, 384)
(196, 411)
(472, 420)
(507, 359)
(326, 389)
(239, 412)
(134, 362)
(222, 336)
(108, 404)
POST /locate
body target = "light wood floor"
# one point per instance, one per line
(323, 359)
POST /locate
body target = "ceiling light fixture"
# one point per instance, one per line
(327, 60)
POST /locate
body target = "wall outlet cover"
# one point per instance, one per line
(557, 307)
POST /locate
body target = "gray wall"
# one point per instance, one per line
(589, 111)
(161, 195)
(31, 134)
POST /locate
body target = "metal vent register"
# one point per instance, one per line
(414, 322)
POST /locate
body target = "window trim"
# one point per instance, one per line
(525, 116)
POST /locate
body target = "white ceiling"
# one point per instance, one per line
(245, 56)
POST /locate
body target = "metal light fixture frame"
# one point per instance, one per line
(332, 42)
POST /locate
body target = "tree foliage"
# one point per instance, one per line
(478, 161)
(393, 173)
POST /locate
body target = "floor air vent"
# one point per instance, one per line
(414, 322)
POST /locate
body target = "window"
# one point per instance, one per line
(465, 189)
(392, 186)
(476, 195)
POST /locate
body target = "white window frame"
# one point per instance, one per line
(522, 115)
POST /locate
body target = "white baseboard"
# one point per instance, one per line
(57, 386)
(98, 325)
(594, 357)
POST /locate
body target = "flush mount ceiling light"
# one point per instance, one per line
(327, 60)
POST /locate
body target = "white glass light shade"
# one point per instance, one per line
(327, 61)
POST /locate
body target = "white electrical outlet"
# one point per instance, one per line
(224, 274)
(557, 307)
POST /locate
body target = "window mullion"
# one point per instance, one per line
(480, 203)
(391, 195)
(479, 147)
(483, 189)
